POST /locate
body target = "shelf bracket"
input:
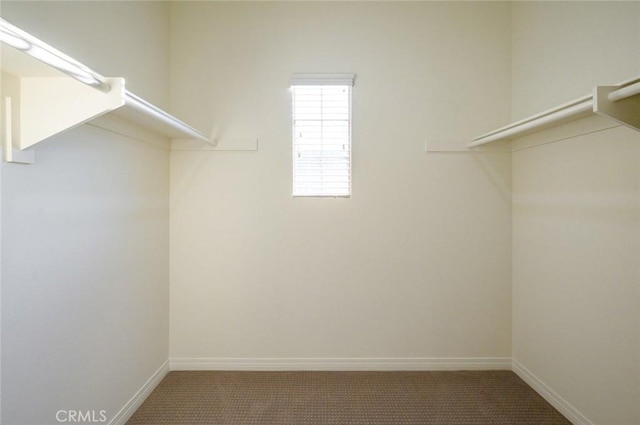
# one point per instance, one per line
(625, 111)
(32, 110)
(10, 152)
(40, 103)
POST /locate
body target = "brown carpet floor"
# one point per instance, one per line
(342, 398)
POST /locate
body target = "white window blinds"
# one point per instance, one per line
(322, 134)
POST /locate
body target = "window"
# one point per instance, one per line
(322, 134)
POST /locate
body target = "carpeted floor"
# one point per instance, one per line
(342, 398)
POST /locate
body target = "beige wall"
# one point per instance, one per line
(85, 232)
(417, 264)
(561, 50)
(576, 222)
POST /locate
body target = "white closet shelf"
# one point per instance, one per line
(620, 102)
(139, 110)
(45, 92)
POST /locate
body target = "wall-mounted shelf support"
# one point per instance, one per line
(46, 92)
(620, 103)
(10, 153)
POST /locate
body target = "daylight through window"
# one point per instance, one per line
(322, 135)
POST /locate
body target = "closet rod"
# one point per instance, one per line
(570, 110)
(625, 92)
(172, 123)
(41, 51)
(576, 108)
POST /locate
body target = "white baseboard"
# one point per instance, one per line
(551, 396)
(342, 364)
(139, 397)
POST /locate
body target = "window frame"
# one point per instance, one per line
(341, 80)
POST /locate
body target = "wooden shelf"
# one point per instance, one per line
(45, 92)
(620, 102)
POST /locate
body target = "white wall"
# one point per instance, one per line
(85, 232)
(576, 217)
(417, 264)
